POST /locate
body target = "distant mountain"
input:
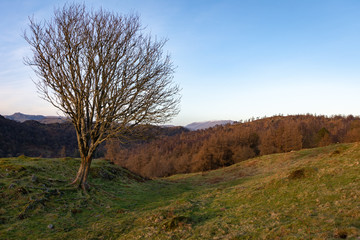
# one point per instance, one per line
(54, 119)
(33, 138)
(20, 117)
(208, 124)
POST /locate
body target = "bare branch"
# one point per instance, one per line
(101, 71)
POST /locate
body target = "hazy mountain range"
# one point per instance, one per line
(20, 117)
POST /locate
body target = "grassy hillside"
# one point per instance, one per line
(308, 194)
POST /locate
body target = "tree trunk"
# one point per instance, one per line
(83, 172)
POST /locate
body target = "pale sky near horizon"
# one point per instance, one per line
(235, 59)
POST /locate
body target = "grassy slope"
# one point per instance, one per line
(309, 194)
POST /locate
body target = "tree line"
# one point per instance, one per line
(225, 145)
(153, 151)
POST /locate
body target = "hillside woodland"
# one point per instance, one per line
(35, 139)
(163, 151)
(32, 138)
(222, 146)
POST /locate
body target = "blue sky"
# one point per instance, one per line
(235, 59)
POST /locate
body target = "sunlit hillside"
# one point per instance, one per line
(306, 194)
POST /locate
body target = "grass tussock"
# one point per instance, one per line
(307, 194)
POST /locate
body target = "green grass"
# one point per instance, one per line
(308, 194)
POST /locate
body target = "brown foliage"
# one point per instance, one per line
(224, 145)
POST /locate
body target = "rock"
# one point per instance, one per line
(50, 226)
(34, 178)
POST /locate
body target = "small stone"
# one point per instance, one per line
(50, 226)
(34, 178)
(11, 186)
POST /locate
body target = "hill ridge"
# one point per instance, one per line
(207, 124)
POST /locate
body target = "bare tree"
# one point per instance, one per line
(103, 72)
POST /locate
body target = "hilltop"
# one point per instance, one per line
(306, 194)
(207, 124)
